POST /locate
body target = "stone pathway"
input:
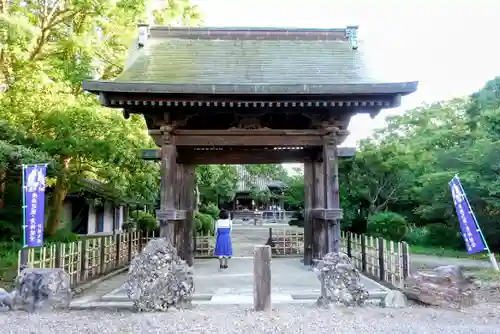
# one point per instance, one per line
(291, 282)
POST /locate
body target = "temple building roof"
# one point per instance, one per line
(247, 181)
(249, 61)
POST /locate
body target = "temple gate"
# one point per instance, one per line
(243, 96)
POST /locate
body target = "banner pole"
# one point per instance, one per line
(491, 256)
(24, 250)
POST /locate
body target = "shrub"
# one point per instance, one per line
(388, 225)
(64, 235)
(147, 223)
(442, 235)
(211, 210)
(297, 219)
(417, 236)
(204, 223)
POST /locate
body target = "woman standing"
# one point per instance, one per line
(223, 244)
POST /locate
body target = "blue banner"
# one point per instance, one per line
(34, 204)
(468, 224)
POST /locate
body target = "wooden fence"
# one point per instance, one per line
(89, 258)
(384, 260)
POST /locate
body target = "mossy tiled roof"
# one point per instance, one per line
(307, 60)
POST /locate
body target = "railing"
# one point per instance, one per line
(264, 216)
(89, 258)
(385, 260)
(287, 241)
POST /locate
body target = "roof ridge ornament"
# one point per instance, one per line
(143, 34)
(351, 33)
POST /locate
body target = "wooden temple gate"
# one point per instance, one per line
(243, 96)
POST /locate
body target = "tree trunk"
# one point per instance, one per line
(58, 197)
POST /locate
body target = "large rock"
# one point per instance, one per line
(158, 279)
(37, 288)
(340, 281)
(5, 299)
(444, 286)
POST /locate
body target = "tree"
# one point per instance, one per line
(47, 48)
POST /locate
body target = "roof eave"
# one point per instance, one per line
(394, 88)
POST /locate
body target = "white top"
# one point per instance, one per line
(224, 223)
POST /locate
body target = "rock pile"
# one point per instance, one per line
(158, 279)
(37, 288)
(5, 299)
(340, 281)
(444, 286)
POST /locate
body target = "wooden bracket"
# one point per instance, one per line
(327, 214)
(172, 214)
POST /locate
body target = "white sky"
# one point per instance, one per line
(450, 47)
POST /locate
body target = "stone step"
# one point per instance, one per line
(214, 300)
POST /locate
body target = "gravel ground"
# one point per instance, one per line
(291, 318)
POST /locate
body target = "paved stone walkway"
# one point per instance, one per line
(291, 280)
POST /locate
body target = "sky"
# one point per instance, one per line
(450, 47)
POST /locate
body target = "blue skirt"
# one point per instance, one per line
(223, 244)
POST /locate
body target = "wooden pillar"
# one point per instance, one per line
(308, 205)
(331, 188)
(320, 229)
(188, 203)
(168, 181)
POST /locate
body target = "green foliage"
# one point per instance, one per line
(46, 50)
(297, 219)
(441, 235)
(216, 183)
(210, 209)
(64, 235)
(204, 223)
(388, 225)
(147, 223)
(417, 236)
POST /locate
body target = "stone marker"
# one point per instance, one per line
(37, 288)
(158, 279)
(444, 286)
(262, 278)
(394, 299)
(340, 281)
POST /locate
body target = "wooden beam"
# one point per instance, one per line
(243, 157)
(202, 157)
(283, 138)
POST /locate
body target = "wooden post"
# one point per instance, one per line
(320, 227)
(381, 262)
(130, 244)
(331, 188)
(117, 250)
(83, 261)
(102, 255)
(188, 203)
(363, 253)
(262, 278)
(24, 259)
(168, 178)
(308, 204)
(406, 259)
(58, 262)
(349, 244)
